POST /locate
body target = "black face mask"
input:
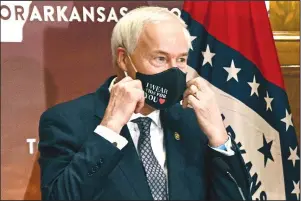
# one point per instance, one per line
(164, 89)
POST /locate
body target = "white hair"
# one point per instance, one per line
(128, 29)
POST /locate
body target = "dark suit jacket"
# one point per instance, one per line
(77, 163)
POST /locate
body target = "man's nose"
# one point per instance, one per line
(173, 63)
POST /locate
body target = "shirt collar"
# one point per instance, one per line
(155, 115)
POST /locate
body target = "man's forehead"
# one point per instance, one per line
(163, 35)
(163, 28)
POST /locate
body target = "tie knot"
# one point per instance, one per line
(143, 123)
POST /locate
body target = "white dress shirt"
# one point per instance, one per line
(156, 133)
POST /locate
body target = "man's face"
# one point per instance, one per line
(161, 46)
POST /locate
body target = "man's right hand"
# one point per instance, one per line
(127, 97)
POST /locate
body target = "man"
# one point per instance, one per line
(132, 139)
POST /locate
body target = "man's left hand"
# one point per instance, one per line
(200, 97)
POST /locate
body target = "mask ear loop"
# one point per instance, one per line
(132, 65)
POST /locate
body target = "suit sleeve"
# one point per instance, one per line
(74, 162)
(227, 176)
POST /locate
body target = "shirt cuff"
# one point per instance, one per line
(116, 139)
(225, 148)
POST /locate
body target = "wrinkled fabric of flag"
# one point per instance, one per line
(233, 49)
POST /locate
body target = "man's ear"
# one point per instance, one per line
(121, 59)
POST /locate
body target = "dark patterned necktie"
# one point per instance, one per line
(156, 178)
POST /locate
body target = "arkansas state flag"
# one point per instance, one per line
(233, 49)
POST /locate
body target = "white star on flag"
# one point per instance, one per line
(287, 120)
(268, 100)
(207, 56)
(192, 39)
(254, 85)
(296, 189)
(232, 71)
(293, 157)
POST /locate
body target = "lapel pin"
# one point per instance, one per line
(177, 136)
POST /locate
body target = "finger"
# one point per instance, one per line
(134, 84)
(140, 103)
(198, 94)
(185, 103)
(191, 73)
(140, 100)
(190, 90)
(199, 82)
(194, 102)
(125, 79)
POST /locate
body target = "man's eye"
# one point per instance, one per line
(182, 60)
(161, 59)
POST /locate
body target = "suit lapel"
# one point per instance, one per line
(132, 168)
(177, 187)
(130, 163)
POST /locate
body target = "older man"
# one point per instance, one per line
(132, 139)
